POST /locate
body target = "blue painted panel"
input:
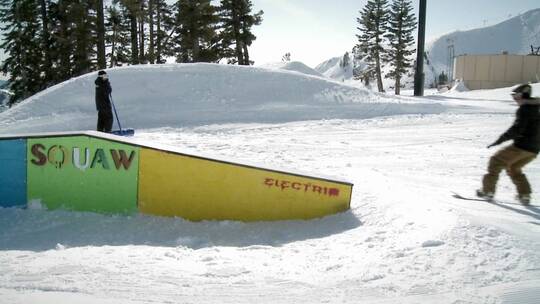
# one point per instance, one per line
(12, 172)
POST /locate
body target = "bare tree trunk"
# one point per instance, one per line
(134, 36)
(246, 54)
(236, 29)
(113, 46)
(46, 48)
(378, 74)
(142, 58)
(151, 53)
(196, 49)
(158, 38)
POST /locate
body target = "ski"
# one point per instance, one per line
(494, 201)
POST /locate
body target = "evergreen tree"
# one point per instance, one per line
(286, 57)
(151, 32)
(142, 18)
(248, 21)
(196, 39)
(23, 46)
(164, 29)
(130, 15)
(83, 19)
(443, 78)
(118, 37)
(62, 46)
(236, 35)
(345, 61)
(400, 27)
(46, 41)
(372, 23)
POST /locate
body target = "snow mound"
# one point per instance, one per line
(181, 95)
(294, 66)
(459, 86)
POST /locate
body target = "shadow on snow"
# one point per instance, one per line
(40, 230)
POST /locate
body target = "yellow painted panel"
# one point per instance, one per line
(202, 189)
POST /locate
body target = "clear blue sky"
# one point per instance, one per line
(317, 30)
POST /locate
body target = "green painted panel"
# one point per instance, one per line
(83, 173)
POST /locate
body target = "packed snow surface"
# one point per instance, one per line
(200, 94)
(405, 239)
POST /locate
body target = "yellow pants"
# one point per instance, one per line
(513, 160)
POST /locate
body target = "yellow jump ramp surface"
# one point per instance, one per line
(193, 187)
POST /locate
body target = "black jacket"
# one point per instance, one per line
(526, 128)
(103, 91)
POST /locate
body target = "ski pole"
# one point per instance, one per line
(115, 113)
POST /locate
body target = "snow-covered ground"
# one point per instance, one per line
(405, 239)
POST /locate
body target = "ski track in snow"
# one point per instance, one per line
(404, 240)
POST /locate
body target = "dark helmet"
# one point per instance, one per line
(525, 90)
(101, 73)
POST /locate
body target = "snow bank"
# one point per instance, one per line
(294, 66)
(182, 95)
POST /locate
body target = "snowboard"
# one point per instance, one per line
(479, 199)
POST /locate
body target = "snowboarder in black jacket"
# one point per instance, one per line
(103, 102)
(525, 132)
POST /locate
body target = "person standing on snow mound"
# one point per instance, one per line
(103, 102)
(525, 131)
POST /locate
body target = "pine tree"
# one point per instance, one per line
(84, 22)
(151, 32)
(286, 57)
(443, 78)
(164, 28)
(46, 41)
(236, 36)
(123, 27)
(23, 47)
(196, 39)
(372, 23)
(400, 29)
(345, 61)
(248, 21)
(117, 37)
(62, 46)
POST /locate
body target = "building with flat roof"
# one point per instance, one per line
(496, 71)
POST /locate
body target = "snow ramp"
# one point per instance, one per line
(187, 95)
(98, 172)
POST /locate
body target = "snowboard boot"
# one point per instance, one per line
(488, 196)
(524, 199)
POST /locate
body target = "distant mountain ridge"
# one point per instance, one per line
(515, 36)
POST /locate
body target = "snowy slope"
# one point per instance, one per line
(405, 239)
(295, 66)
(333, 68)
(515, 36)
(197, 94)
